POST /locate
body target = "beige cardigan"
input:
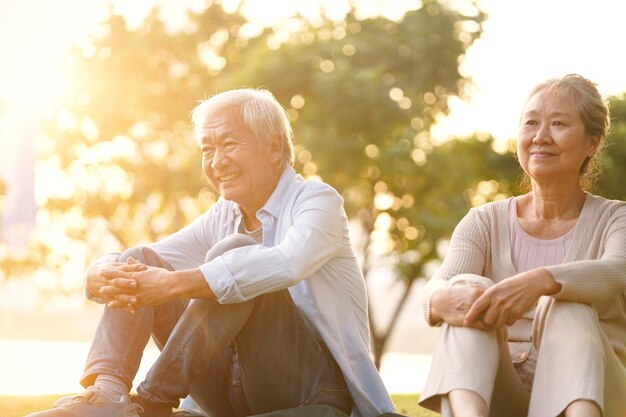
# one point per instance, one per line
(593, 271)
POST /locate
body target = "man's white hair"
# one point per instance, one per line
(259, 111)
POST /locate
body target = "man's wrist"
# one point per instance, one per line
(190, 283)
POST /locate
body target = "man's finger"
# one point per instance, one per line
(116, 304)
(134, 267)
(124, 283)
(126, 299)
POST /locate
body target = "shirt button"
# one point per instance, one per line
(523, 356)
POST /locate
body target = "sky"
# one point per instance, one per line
(523, 43)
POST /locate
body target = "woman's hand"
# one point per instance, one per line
(505, 302)
(452, 303)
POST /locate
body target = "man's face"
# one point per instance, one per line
(236, 164)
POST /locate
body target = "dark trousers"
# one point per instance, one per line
(234, 359)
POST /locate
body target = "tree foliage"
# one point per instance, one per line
(362, 96)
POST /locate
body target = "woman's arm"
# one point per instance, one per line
(597, 280)
(469, 246)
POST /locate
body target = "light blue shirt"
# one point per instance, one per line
(306, 249)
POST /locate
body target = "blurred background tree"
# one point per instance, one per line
(362, 95)
(611, 183)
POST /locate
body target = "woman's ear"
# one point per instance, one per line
(594, 143)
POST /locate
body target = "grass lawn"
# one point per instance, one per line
(20, 406)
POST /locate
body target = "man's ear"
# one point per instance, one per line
(276, 148)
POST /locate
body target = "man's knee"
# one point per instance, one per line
(229, 243)
(142, 254)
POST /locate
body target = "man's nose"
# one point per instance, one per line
(219, 158)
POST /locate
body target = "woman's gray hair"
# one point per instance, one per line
(593, 111)
(259, 112)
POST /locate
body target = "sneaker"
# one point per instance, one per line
(150, 409)
(91, 403)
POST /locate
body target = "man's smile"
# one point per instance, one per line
(228, 177)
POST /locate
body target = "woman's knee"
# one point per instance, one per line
(471, 279)
(567, 318)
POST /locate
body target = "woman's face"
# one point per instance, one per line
(552, 143)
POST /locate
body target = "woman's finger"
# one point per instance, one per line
(477, 309)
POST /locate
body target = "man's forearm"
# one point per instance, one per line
(191, 283)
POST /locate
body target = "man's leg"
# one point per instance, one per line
(121, 337)
(283, 364)
(116, 351)
(265, 331)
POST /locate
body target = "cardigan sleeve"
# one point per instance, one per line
(468, 251)
(601, 279)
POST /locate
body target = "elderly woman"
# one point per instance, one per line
(532, 293)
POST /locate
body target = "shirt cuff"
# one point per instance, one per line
(221, 281)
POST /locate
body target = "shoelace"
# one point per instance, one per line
(77, 399)
(132, 412)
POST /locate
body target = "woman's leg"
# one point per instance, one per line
(470, 364)
(576, 367)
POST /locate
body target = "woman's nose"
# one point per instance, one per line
(543, 134)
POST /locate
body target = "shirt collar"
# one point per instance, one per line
(274, 204)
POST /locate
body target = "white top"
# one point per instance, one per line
(529, 252)
(306, 249)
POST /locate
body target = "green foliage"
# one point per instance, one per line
(611, 184)
(362, 95)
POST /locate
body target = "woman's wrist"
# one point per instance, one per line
(549, 286)
(437, 299)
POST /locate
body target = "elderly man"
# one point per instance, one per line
(278, 310)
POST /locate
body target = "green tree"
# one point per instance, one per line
(362, 95)
(611, 185)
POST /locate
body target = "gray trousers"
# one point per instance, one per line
(575, 361)
(234, 359)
